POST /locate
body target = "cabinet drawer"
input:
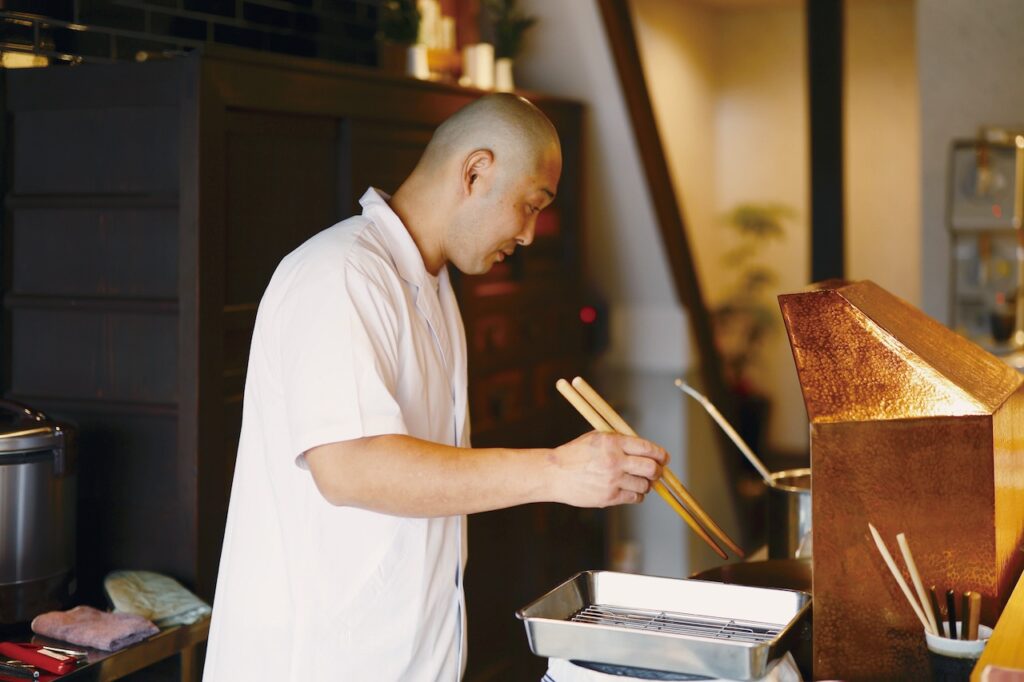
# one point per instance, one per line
(71, 354)
(120, 150)
(95, 252)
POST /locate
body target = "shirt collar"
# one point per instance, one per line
(407, 256)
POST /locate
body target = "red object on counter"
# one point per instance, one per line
(48, 662)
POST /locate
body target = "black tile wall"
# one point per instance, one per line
(111, 15)
(224, 8)
(111, 30)
(177, 27)
(58, 9)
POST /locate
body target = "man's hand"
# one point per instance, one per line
(603, 469)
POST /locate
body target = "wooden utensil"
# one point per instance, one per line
(933, 599)
(908, 559)
(973, 614)
(599, 424)
(899, 577)
(669, 478)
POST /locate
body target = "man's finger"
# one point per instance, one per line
(636, 484)
(644, 448)
(642, 466)
(628, 497)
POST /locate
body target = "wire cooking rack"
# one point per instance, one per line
(677, 623)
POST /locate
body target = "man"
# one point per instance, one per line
(344, 549)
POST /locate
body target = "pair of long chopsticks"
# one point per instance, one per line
(602, 417)
(922, 610)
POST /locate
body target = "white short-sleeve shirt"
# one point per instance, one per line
(353, 338)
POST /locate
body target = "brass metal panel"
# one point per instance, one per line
(916, 430)
(886, 361)
(987, 378)
(929, 478)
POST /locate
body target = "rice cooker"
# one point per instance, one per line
(37, 513)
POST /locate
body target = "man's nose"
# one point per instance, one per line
(525, 238)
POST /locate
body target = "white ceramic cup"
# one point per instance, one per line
(958, 648)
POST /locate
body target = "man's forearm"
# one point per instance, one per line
(406, 476)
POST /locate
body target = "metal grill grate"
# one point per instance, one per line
(707, 627)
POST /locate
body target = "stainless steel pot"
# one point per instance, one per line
(37, 513)
(789, 514)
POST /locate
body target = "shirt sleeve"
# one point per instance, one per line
(339, 358)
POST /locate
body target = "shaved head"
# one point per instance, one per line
(486, 174)
(512, 128)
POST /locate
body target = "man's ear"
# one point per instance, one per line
(477, 167)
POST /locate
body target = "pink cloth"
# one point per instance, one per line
(89, 627)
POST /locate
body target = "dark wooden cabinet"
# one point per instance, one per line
(148, 205)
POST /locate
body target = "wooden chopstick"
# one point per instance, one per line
(973, 614)
(899, 579)
(908, 558)
(667, 476)
(599, 424)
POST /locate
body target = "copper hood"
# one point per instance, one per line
(916, 430)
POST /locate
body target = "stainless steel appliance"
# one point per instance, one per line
(37, 513)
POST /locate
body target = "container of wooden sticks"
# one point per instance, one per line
(952, 660)
(954, 637)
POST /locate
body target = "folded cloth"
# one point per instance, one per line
(86, 626)
(154, 596)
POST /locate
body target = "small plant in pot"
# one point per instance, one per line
(398, 27)
(507, 26)
(746, 317)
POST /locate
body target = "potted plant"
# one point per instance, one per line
(507, 26)
(398, 28)
(747, 315)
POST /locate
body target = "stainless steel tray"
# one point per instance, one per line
(684, 626)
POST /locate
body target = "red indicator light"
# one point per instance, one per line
(588, 314)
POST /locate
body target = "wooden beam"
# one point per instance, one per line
(618, 24)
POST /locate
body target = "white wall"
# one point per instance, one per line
(761, 141)
(728, 81)
(881, 153)
(677, 42)
(678, 46)
(729, 90)
(567, 53)
(970, 58)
